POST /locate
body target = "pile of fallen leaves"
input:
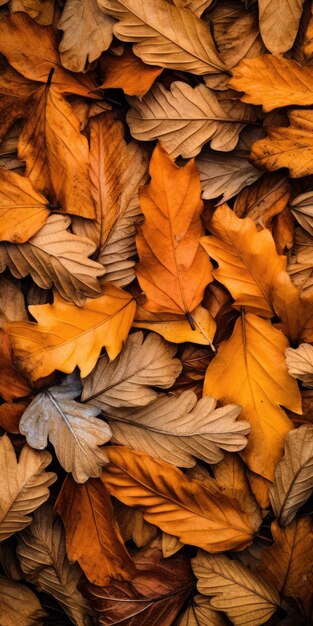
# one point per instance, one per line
(156, 357)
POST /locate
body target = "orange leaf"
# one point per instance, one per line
(128, 72)
(12, 383)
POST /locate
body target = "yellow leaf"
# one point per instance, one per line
(250, 370)
(177, 329)
(67, 336)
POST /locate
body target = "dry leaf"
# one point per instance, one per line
(279, 21)
(302, 209)
(196, 6)
(93, 537)
(242, 595)
(170, 545)
(177, 329)
(300, 266)
(42, 557)
(173, 270)
(300, 363)
(128, 380)
(200, 613)
(73, 429)
(264, 199)
(165, 35)
(67, 336)
(12, 383)
(86, 33)
(248, 261)
(24, 486)
(133, 525)
(128, 72)
(19, 605)
(184, 119)
(250, 370)
(56, 257)
(293, 482)
(176, 504)
(178, 430)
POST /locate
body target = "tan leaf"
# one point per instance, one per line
(73, 429)
(200, 613)
(87, 32)
(128, 72)
(42, 556)
(279, 22)
(293, 483)
(24, 486)
(128, 380)
(117, 170)
(19, 605)
(179, 430)
(242, 595)
(177, 329)
(250, 370)
(165, 35)
(263, 199)
(300, 363)
(196, 6)
(23, 211)
(170, 545)
(133, 525)
(176, 504)
(56, 257)
(67, 336)
(55, 152)
(302, 210)
(184, 119)
(287, 564)
(300, 265)
(12, 384)
(93, 537)
(12, 304)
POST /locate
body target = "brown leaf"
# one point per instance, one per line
(10, 415)
(12, 382)
(19, 605)
(128, 72)
(279, 21)
(263, 199)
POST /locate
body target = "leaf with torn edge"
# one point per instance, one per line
(19, 605)
(87, 32)
(236, 591)
(293, 480)
(175, 503)
(56, 257)
(23, 485)
(165, 35)
(300, 363)
(67, 335)
(42, 557)
(180, 429)
(117, 170)
(250, 370)
(73, 429)
(184, 119)
(93, 537)
(176, 329)
(144, 362)
(173, 270)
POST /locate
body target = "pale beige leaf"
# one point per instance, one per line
(117, 170)
(225, 174)
(42, 556)
(23, 485)
(87, 32)
(12, 304)
(180, 429)
(302, 209)
(246, 599)
(293, 483)
(196, 6)
(184, 119)
(18, 605)
(128, 380)
(165, 35)
(300, 363)
(279, 22)
(56, 257)
(200, 613)
(71, 427)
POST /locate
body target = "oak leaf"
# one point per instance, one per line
(175, 503)
(293, 482)
(93, 537)
(56, 257)
(42, 557)
(287, 564)
(279, 22)
(128, 381)
(300, 363)
(250, 370)
(24, 485)
(87, 32)
(19, 605)
(73, 429)
(129, 73)
(165, 35)
(178, 430)
(154, 595)
(236, 591)
(173, 270)
(248, 261)
(67, 336)
(177, 329)
(23, 211)
(184, 119)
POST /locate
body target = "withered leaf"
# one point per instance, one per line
(19, 605)
(133, 525)
(279, 21)
(12, 382)
(177, 329)
(302, 210)
(129, 73)
(200, 613)
(264, 199)
(12, 304)
(300, 363)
